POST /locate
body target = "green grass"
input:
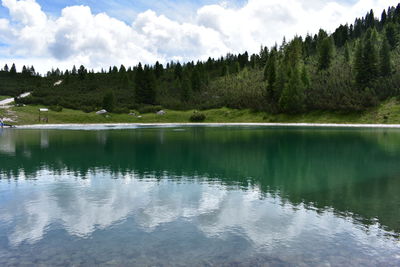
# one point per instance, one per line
(388, 112)
(2, 97)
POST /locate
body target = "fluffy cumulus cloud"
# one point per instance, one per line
(78, 36)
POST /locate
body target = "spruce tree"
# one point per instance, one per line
(270, 77)
(158, 70)
(371, 55)
(13, 69)
(122, 69)
(392, 34)
(347, 53)
(139, 84)
(359, 67)
(149, 86)
(6, 69)
(178, 71)
(383, 17)
(186, 89)
(325, 53)
(82, 72)
(195, 80)
(385, 59)
(292, 99)
(109, 101)
(305, 77)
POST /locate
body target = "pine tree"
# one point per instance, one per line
(305, 77)
(24, 70)
(264, 55)
(383, 17)
(292, 99)
(32, 71)
(224, 70)
(158, 70)
(371, 55)
(186, 89)
(122, 69)
(236, 68)
(6, 69)
(195, 80)
(178, 71)
(325, 53)
(370, 19)
(74, 72)
(145, 85)
(361, 75)
(347, 53)
(392, 34)
(270, 77)
(13, 69)
(385, 59)
(109, 101)
(82, 72)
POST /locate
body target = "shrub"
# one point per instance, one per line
(109, 101)
(88, 109)
(121, 110)
(198, 117)
(149, 109)
(56, 108)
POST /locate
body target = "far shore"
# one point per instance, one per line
(169, 125)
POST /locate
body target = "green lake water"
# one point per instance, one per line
(200, 196)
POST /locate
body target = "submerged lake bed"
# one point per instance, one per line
(200, 196)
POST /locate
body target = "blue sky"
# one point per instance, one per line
(62, 33)
(127, 10)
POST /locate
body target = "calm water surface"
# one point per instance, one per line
(200, 196)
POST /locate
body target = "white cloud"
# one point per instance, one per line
(78, 36)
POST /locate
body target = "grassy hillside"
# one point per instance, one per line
(386, 113)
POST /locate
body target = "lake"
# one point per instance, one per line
(200, 196)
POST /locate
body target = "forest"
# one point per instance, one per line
(351, 69)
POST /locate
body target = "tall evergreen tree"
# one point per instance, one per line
(392, 34)
(305, 77)
(6, 69)
(371, 55)
(385, 59)
(145, 85)
(292, 99)
(158, 70)
(347, 53)
(178, 71)
(122, 69)
(383, 18)
(270, 77)
(82, 72)
(109, 101)
(359, 67)
(139, 84)
(195, 80)
(325, 53)
(186, 88)
(264, 53)
(13, 69)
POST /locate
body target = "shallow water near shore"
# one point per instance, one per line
(200, 196)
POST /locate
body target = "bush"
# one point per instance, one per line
(198, 117)
(121, 110)
(149, 109)
(88, 109)
(56, 108)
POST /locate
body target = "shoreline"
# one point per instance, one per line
(84, 126)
